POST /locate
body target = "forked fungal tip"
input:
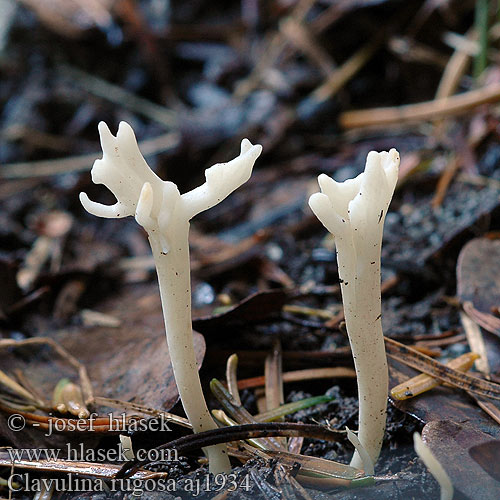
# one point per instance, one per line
(103, 128)
(318, 201)
(324, 182)
(124, 130)
(245, 146)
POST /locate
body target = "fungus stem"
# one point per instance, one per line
(165, 214)
(354, 212)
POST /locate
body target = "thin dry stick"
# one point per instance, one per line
(286, 482)
(425, 364)
(116, 403)
(225, 419)
(346, 71)
(316, 465)
(486, 320)
(444, 181)
(440, 342)
(240, 432)
(328, 16)
(45, 168)
(120, 96)
(479, 180)
(298, 34)
(476, 343)
(455, 69)
(18, 389)
(488, 407)
(308, 311)
(272, 48)
(298, 375)
(238, 413)
(429, 110)
(82, 371)
(423, 383)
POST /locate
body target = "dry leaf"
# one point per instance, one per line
(129, 362)
(478, 283)
(450, 443)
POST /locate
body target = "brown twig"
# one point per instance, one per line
(445, 179)
(476, 343)
(127, 405)
(299, 35)
(45, 168)
(455, 69)
(424, 111)
(120, 96)
(486, 320)
(82, 371)
(488, 407)
(346, 71)
(425, 364)
(298, 375)
(423, 383)
(461, 337)
(271, 49)
(192, 442)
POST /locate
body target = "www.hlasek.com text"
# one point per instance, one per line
(82, 454)
(230, 482)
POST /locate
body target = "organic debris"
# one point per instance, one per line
(319, 84)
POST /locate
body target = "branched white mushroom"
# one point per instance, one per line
(354, 212)
(165, 214)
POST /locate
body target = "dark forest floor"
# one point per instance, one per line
(193, 79)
